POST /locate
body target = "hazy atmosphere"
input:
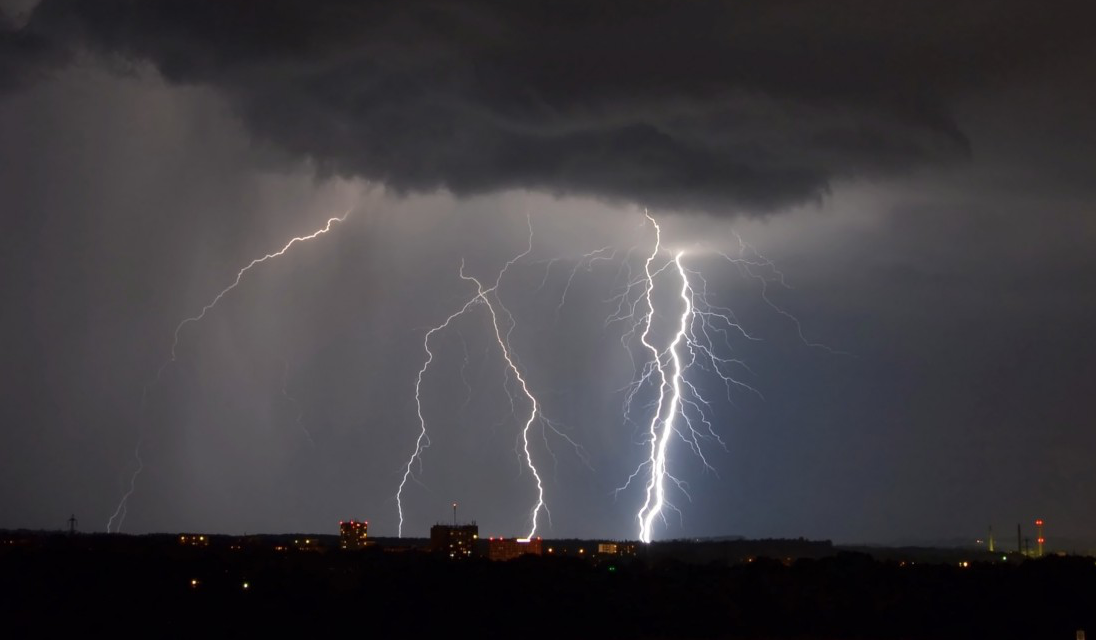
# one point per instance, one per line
(920, 176)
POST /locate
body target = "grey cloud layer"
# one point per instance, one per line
(707, 106)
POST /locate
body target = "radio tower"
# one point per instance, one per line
(1039, 539)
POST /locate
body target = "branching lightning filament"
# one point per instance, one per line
(700, 334)
(502, 325)
(121, 510)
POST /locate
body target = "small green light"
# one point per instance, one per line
(612, 568)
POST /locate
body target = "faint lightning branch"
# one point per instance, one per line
(749, 262)
(550, 425)
(296, 405)
(239, 277)
(463, 373)
(587, 259)
(121, 510)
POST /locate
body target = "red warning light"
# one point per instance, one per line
(1038, 523)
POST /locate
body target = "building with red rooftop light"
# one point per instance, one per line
(510, 548)
(353, 534)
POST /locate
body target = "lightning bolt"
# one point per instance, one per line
(488, 296)
(701, 331)
(659, 428)
(656, 485)
(423, 440)
(534, 411)
(121, 510)
(239, 277)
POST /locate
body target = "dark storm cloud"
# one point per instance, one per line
(25, 57)
(711, 106)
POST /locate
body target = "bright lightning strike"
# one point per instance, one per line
(121, 510)
(660, 427)
(679, 409)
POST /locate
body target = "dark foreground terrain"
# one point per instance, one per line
(152, 587)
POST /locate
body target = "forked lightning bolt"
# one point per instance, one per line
(120, 512)
(488, 297)
(423, 440)
(662, 422)
(679, 410)
(534, 410)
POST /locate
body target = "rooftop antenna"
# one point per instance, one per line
(72, 524)
(454, 514)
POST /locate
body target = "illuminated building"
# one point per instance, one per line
(352, 534)
(510, 548)
(456, 541)
(192, 540)
(616, 549)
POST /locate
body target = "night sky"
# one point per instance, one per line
(922, 173)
